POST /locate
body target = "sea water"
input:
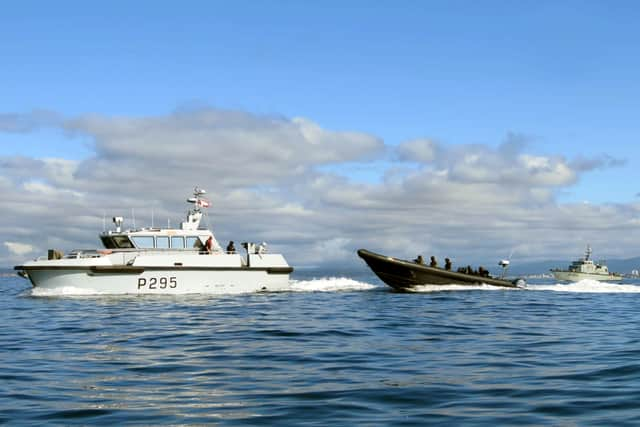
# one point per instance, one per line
(334, 349)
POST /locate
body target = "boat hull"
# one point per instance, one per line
(404, 275)
(138, 280)
(155, 272)
(573, 276)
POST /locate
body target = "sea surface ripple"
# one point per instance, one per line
(332, 350)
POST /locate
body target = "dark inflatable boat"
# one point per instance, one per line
(403, 275)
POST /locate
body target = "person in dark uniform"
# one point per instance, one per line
(483, 272)
(231, 249)
(433, 262)
(419, 260)
(447, 264)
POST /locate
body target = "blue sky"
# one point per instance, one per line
(562, 75)
(458, 71)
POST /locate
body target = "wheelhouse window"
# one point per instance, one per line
(122, 242)
(107, 242)
(162, 242)
(177, 242)
(194, 242)
(143, 242)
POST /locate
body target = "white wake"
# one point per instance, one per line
(338, 284)
(329, 284)
(587, 286)
(326, 284)
(63, 291)
(440, 288)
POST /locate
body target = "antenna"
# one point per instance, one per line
(505, 264)
(152, 218)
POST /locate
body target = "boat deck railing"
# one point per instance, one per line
(98, 253)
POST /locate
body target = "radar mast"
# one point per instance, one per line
(195, 215)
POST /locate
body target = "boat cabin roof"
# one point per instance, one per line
(189, 236)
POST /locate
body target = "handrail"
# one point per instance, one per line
(96, 253)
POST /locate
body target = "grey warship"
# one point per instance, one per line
(585, 268)
(404, 275)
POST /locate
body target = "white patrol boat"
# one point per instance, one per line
(585, 268)
(161, 261)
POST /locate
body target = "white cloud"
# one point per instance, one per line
(19, 248)
(60, 171)
(333, 250)
(42, 190)
(223, 142)
(417, 150)
(267, 180)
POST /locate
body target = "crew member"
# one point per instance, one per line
(433, 262)
(447, 264)
(483, 271)
(262, 248)
(231, 249)
(209, 245)
(419, 260)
